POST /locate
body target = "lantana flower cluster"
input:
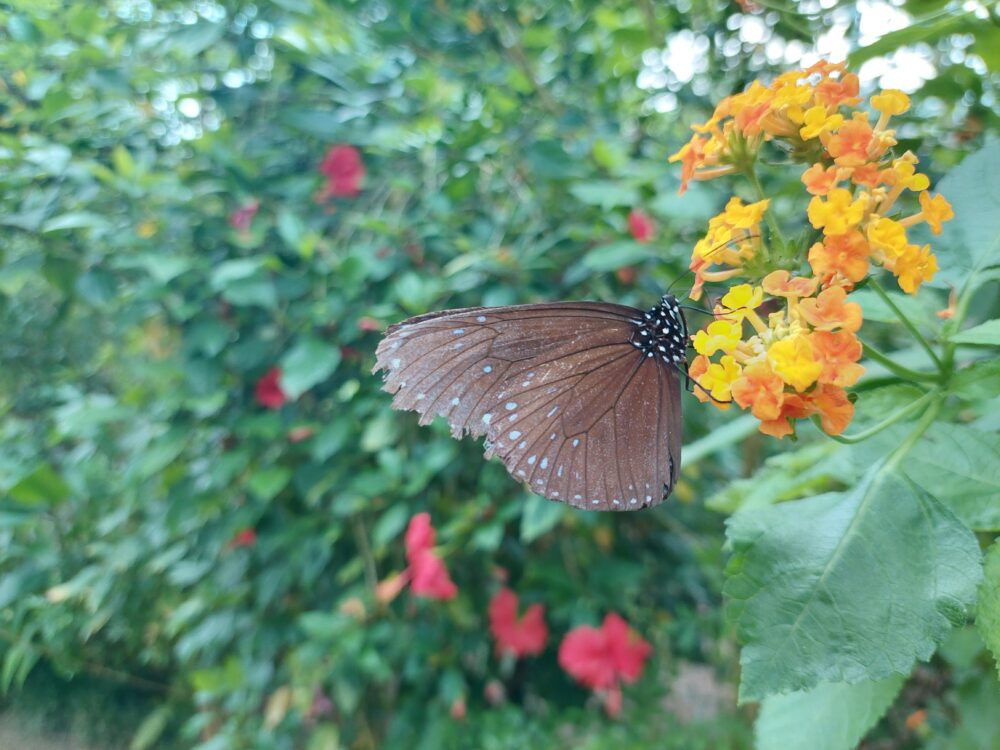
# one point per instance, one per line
(796, 363)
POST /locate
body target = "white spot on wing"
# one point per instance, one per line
(552, 411)
(487, 369)
(576, 442)
(487, 418)
(511, 405)
(531, 460)
(458, 331)
(395, 363)
(454, 402)
(481, 318)
(514, 435)
(545, 463)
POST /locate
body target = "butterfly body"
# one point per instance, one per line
(579, 400)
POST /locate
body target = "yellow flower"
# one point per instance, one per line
(792, 359)
(891, 102)
(888, 236)
(744, 217)
(721, 335)
(838, 213)
(905, 173)
(740, 301)
(915, 266)
(815, 121)
(716, 379)
(935, 210)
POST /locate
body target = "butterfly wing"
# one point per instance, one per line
(570, 406)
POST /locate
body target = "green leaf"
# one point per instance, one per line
(831, 716)
(151, 728)
(40, 487)
(605, 193)
(539, 516)
(267, 482)
(812, 469)
(977, 381)
(960, 466)
(987, 334)
(971, 240)
(988, 609)
(309, 362)
(616, 255)
(924, 30)
(846, 587)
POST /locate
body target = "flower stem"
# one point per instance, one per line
(772, 222)
(906, 322)
(925, 421)
(904, 372)
(885, 423)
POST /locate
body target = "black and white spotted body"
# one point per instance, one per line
(663, 333)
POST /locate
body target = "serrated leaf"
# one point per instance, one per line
(971, 240)
(988, 608)
(960, 466)
(846, 587)
(987, 334)
(308, 363)
(831, 716)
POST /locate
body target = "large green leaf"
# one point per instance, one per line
(311, 361)
(988, 609)
(846, 588)
(986, 334)
(960, 466)
(969, 242)
(831, 716)
(616, 255)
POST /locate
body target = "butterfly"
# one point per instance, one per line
(579, 400)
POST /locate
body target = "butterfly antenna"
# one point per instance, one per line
(709, 253)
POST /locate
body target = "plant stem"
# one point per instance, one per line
(904, 372)
(906, 322)
(885, 423)
(926, 421)
(772, 223)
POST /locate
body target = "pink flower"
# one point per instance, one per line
(427, 573)
(457, 710)
(343, 170)
(522, 637)
(244, 538)
(602, 658)
(640, 224)
(240, 218)
(268, 390)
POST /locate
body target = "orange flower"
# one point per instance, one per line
(691, 156)
(837, 352)
(819, 181)
(843, 255)
(836, 93)
(782, 284)
(760, 390)
(830, 310)
(849, 146)
(834, 408)
(794, 406)
(868, 175)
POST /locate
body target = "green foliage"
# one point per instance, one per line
(503, 148)
(840, 714)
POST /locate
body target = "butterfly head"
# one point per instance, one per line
(662, 332)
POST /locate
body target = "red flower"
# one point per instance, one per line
(599, 657)
(427, 572)
(522, 637)
(343, 170)
(240, 218)
(244, 538)
(430, 577)
(640, 225)
(268, 390)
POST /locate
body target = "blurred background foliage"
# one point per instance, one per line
(504, 145)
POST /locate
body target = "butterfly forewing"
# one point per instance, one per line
(565, 399)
